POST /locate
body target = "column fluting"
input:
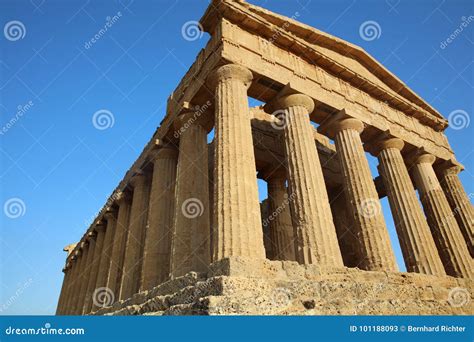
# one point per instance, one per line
(445, 230)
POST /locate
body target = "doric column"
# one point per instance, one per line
(70, 295)
(279, 220)
(104, 265)
(86, 266)
(114, 279)
(64, 289)
(446, 233)
(237, 221)
(363, 202)
(190, 242)
(316, 241)
(156, 257)
(76, 280)
(135, 240)
(99, 245)
(417, 244)
(460, 203)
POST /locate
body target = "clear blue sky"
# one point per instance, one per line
(62, 168)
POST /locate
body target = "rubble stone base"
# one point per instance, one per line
(237, 286)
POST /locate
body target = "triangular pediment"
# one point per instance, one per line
(355, 60)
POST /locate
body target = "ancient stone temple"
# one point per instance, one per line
(184, 231)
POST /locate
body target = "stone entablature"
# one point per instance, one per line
(144, 236)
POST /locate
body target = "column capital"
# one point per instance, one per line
(274, 173)
(165, 152)
(230, 71)
(296, 100)
(188, 118)
(449, 167)
(99, 226)
(348, 123)
(138, 178)
(122, 196)
(387, 143)
(424, 158)
(110, 214)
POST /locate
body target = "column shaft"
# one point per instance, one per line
(104, 264)
(281, 227)
(90, 294)
(114, 279)
(446, 233)
(316, 240)
(190, 249)
(85, 269)
(64, 290)
(76, 282)
(70, 295)
(237, 222)
(417, 244)
(460, 204)
(131, 275)
(156, 257)
(374, 243)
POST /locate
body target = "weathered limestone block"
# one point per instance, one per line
(417, 244)
(374, 246)
(316, 241)
(132, 264)
(156, 257)
(237, 226)
(460, 203)
(448, 238)
(190, 242)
